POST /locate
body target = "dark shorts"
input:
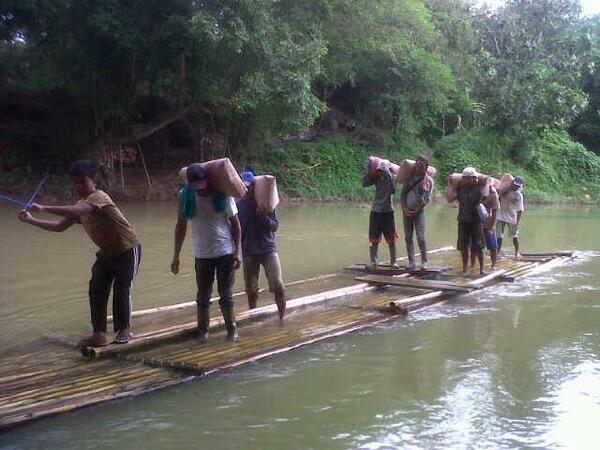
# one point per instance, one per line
(382, 223)
(470, 234)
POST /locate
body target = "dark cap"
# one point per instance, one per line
(519, 181)
(196, 177)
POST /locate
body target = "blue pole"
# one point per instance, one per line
(35, 193)
(11, 200)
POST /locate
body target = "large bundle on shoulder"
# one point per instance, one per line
(454, 180)
(406, 169)
(372, 163)
(222, 177)
(505, 183)
(265, 192)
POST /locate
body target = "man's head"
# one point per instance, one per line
(421, 164)
(197, 178)
(517, 183)
(83, 176)
(470, 175)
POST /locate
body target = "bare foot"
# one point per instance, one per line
(518, 255)
(482, 272)
(123, 336)
(96, 339)
(280, 307)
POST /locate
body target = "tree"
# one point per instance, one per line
(530, 63)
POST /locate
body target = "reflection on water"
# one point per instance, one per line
(515, 367)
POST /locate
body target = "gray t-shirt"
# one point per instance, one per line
(414, 195)
(510, 203)
(384, 190)
(211, 231)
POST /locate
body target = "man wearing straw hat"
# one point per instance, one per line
(216, 236)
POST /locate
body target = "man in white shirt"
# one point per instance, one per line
(510, 213)
(216, 235)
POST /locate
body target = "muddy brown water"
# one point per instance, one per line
(512, 367)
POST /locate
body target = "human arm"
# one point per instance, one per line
(269, 221)
(236, 232)
(180, 232)
(403, 194)
(48, 225)
(519, 215)
(68, 211)
(367, 180)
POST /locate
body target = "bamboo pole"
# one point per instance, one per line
(121, 165)
(144, 163)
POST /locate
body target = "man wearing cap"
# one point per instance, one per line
(470, 228)
(510, 213)
(492, 205)
(216, 237)
(381, 219)
(416, 193)
(259, 247)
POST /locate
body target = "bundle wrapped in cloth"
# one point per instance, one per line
(505, 182)
(265, 192)
(406, 168)
(373, 162)
(485, 182)
(222, 177)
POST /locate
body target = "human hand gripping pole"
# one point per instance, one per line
(35, 193)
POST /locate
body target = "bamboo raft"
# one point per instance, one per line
(54, 378)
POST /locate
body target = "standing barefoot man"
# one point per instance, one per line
(118, 259)
(470, 229)
(510, 213)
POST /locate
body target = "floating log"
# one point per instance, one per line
(387, 270)
(551, 254)
(382, 280)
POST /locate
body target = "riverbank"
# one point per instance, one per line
(557, 170)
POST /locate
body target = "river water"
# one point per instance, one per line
(513, 367)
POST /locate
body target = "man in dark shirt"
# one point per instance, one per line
(259, 247)
(470, 227)
(416, 193)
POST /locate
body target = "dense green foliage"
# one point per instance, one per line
(199, 79)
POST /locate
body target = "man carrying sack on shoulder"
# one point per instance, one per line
(381, 219)
(510, 213)
(416, 193)
(470, 225)
(216, 235)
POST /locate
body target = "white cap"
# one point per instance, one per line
(384, 164)
(469, 172)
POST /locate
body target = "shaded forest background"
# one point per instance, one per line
(303, 89)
